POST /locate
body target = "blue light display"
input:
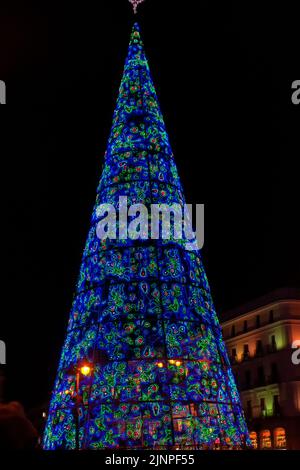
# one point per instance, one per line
(143, 316)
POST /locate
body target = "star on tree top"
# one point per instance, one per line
(135, 4)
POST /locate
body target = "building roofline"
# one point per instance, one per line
(286, 293)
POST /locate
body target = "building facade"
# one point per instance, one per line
(261, 338)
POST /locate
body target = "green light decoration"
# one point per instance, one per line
(143, 314)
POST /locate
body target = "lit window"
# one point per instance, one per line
(233, 355)
(246, 351)
(265, 439)
(279, 438)
(262, 406)
(253, 439)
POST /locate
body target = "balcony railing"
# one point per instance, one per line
(261, 352)
(261, 382)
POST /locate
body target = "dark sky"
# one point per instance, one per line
(223, 74)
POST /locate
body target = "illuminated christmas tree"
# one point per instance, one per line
(144, 364)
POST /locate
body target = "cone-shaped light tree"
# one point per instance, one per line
(143, 326)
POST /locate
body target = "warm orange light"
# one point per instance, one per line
(67, 392)
(253, 438)
(160, 364)
(85, 370)
(178, 363)
(265, 439)
(171, 361)
(280, 438)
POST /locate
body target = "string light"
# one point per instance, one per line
(153, 297)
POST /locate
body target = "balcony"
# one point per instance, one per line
(260, 382)
(259, 352)
(271, 348)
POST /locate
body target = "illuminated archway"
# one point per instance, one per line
(265, 439)
(279, 438)
(253, 438)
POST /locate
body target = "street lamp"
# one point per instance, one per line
(84, 369)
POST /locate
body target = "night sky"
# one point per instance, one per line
(223, 75)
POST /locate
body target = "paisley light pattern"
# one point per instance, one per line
(143, 313)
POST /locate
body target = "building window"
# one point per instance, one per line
(262, 406)
(276, 406)
(249, 409)
(253, 439)
(279, 438)
(259, 348)
(274, 372)
(245, 326)
(271, 316)
(265, 439)
(233, 355)
(237, 379)
(257, 321)
(273, 343)
(232, 331)
(246, 351)
(260, 376)
(248, 378)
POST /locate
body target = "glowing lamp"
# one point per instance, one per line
(85, 370)
(160, 364)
